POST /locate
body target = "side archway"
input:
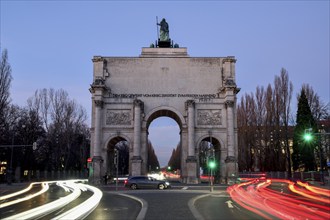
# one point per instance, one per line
(209, 149)
(118, 151)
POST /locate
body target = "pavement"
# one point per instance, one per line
(14, 187)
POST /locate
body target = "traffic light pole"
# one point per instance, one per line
(117, 165)
(308, 137)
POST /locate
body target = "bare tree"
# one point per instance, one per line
(263, 120)
(64, 121)
(284, 88)
(5, 80)
(246, 117)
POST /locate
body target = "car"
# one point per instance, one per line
(144, 182)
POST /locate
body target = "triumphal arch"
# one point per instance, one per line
(199, 93)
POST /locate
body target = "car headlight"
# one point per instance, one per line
(167, 183)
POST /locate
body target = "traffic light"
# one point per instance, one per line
(308, 136)
(212, 164)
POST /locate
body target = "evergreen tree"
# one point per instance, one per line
(303, 151)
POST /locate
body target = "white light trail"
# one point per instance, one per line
(44, 188)
(78, 212)
(49, 207)
(82, 210)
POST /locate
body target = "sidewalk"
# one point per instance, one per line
(325, 185)
(14, 187)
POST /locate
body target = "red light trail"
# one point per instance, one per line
(300, 201)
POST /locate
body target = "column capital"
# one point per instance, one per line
(138, 103)
(99, 103)
(97, 59)
(190, 103)
(229, 104)
(230, 59)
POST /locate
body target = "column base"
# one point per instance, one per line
(232, 170)
(136, 166)
(95, 176)
(191, 177)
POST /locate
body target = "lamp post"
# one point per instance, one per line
(308, 136)
(211, 161)
(117, 165)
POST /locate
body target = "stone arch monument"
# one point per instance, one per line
(199, 93)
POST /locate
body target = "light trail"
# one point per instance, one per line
(49, 207)
(307, 202)
(44, 189)
(83, 210)
(78, 212)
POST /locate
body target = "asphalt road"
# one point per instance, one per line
(220, 206)
(177, 203)
(115, 206)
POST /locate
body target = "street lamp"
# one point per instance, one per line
(116, 161)
(309, 136)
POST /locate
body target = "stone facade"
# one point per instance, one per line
(199, 93)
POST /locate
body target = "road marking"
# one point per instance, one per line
(117, 208)
(220, 196)
(185, 188)
(229, 203)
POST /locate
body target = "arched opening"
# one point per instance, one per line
(164, 134)
(209, 159)
(117, 157)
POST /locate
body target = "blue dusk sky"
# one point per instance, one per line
(51, 43)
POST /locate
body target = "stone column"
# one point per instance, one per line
(231, 157)
(136, 159)
(191, 159)
(191, 128)
(97, 158)
(98, 115)
(230, 128)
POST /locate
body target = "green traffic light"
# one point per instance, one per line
(308, 137)
(212, 164)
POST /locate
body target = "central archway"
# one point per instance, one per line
(170, 113)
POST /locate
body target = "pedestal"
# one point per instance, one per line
(191, 170)
(136, 166)
(96, 177)
(232, 174)
(164, 43)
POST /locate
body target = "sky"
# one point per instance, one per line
(51, 43)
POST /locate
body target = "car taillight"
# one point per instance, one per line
(125, 182)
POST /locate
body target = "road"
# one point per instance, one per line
(253, 199)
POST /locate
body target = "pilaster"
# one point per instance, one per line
(191, 160)
(137, 159)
